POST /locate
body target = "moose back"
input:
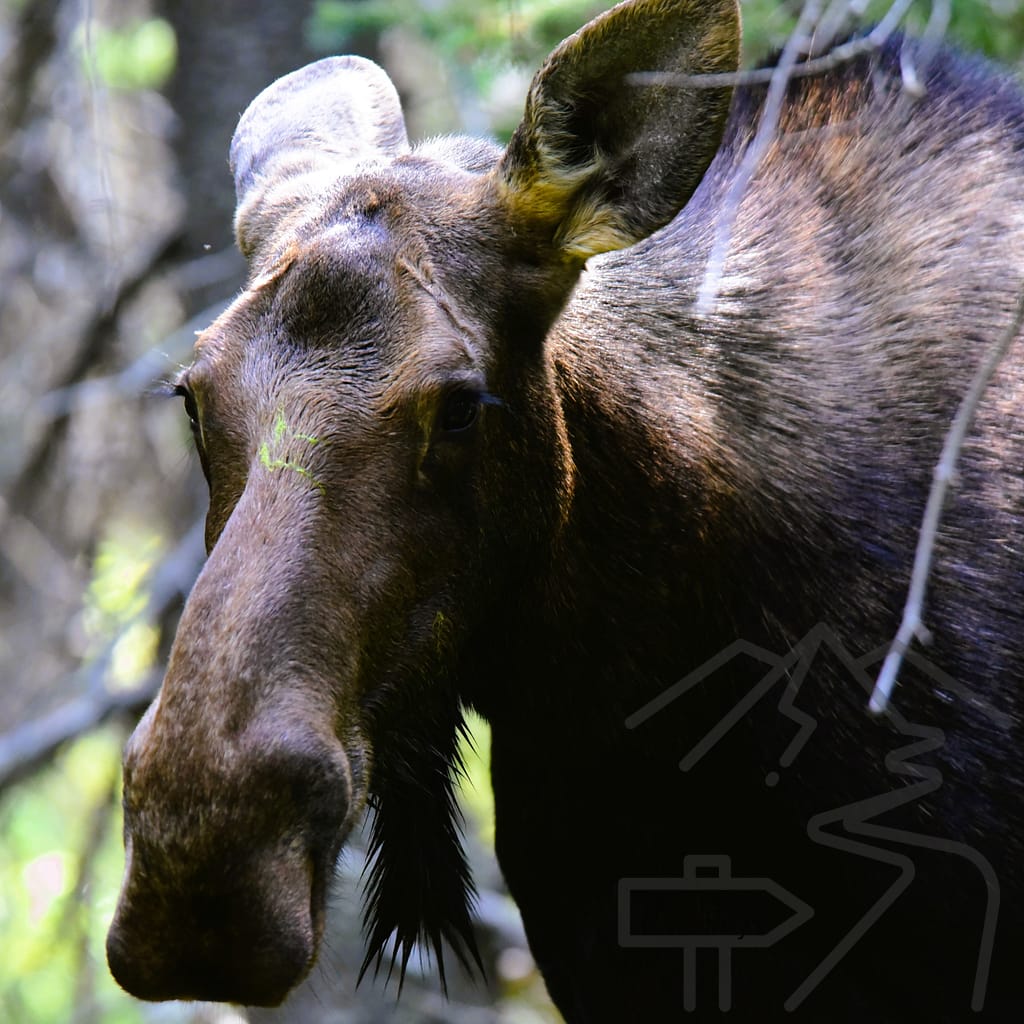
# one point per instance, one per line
(472, 441)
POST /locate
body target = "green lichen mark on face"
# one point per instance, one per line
(443, 630)
(270, 451)
(282, 430)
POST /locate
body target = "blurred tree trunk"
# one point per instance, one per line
(227, 52)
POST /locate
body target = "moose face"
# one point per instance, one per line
(342, 408)
(339, 409)
(379, 423)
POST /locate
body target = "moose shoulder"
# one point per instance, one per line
(471, 441)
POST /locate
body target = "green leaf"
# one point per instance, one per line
(140, 56)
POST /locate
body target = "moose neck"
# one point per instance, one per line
(627, 604)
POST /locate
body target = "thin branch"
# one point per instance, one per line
(31, 745)
(912, 625)
(34, 557)
(767, 128)
(778, 79)
(836, 23)
(36, 39)
(95, 339)
(914, 75)
(135, 378)
(838, 55)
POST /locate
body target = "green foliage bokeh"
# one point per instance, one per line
(140, 56)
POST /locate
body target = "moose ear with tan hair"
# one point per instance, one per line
(300, 137)
(602, 159)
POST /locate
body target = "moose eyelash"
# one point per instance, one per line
(166, 387)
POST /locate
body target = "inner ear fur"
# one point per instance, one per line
(599, 160)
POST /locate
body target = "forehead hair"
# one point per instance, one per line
(356, 285)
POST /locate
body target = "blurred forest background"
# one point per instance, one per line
(115, 247)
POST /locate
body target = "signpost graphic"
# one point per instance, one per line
(708, 874)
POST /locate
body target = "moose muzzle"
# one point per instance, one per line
(250, 940)
(229, 857)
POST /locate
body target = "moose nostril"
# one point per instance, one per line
(257, 965)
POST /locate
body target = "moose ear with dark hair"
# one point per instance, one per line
(602, 159)
(301, 135)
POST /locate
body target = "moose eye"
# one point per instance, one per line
(190, 405)
(192, 411)
(460, 411)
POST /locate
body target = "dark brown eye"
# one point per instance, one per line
(459, 412)
(190, 406)
(192, 411)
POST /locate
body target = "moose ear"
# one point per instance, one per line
(602, 159)
(303, 133)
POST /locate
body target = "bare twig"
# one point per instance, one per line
(914, 74)
(837, 55)
(135, 378)
(32, 554)
(839, 16)
(912, 625)
(36, 38)
(32, 744)
(766, 130)
(96, 338)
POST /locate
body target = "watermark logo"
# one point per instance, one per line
(707, 874)
(851, 828)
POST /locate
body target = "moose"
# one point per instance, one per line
(473, 439)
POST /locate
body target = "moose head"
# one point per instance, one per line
(380, 420)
